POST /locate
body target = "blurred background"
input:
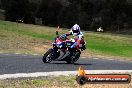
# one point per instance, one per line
(111, 15)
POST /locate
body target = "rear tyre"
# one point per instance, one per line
(47, 56)
(73, 59)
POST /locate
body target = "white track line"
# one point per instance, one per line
(6, 54)
(25, 55)
(16, 53)
(83, 57)
(35, 54)
(59, 73)
(96, 58)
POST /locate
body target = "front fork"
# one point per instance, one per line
(54, 52)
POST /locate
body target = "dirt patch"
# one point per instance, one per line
(93, 55)
(41, 49)
(95, 86)
(23, 44)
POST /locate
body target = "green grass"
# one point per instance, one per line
(110, 44)
(46, 82)
(29, 30)
(97, 43)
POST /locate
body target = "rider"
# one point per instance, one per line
(78, 36)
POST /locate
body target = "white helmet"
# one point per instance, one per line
(76, 29)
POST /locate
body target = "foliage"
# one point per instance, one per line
(16, 9)
(112, 15)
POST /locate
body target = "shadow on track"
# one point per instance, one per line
(82, 64)
(73, 64)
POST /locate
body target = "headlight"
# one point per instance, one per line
(60, 46)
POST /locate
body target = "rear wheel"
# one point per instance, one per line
(73, 59)
(47, 56)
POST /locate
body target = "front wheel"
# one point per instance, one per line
(73, 59)
(47, 56)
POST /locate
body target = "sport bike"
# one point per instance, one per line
(62, 51)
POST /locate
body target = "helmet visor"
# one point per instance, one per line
(75, 31)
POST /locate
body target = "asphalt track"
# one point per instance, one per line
(18, 63)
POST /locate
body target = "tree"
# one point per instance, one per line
(16, 9)
(54, 9)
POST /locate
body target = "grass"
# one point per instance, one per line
(45, 82)
(29, 30)
(110, 44)
(26, 37)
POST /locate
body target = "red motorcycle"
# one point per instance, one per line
(62, 51)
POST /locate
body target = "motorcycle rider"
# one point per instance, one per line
(78, 37)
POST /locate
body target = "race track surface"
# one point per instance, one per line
(18, 63)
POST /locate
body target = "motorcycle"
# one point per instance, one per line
(62, 51)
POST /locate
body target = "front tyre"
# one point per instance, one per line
(47, 56)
